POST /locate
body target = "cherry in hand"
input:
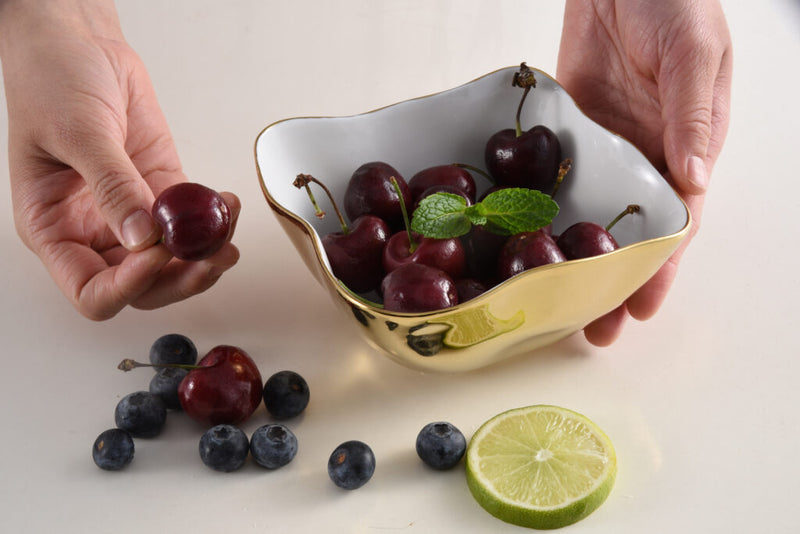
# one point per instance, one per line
(356, 252)
(194, 219)
(586, 239)
(517, 158)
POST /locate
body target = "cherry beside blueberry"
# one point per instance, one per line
(226, 387)
(194, 219)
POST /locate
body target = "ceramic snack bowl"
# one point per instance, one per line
(528, 311)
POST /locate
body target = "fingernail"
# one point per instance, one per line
(137, 229)
(696, 172)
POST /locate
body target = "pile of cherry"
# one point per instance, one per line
(378, 253)
(223, 390)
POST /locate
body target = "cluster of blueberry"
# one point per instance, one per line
(225, 446)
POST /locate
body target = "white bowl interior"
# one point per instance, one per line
(608, 172)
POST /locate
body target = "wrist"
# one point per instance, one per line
(21, 20)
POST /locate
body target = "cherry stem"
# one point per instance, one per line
(128, 365)
(523, 78)
(563, 169)
(412, 243)
(303, 180)
(632, 208)
(476, 169)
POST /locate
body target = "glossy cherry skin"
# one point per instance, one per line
(469, 288)
(417, 288)
(356, 257)
(584, 240)
(482, 248)
(445, 254)
(194, 219)
(442, 175)
(525, 251)
(530, 160)
(226, 389)
(371, 192)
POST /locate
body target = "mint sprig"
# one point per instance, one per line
(505, 212)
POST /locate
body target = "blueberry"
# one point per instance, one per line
(165, 384)
(141, 413)
(113, 449)
(351, 465)
(224, 448)
(441, 445)
(286, 394)
(173, 348)
(273, 446)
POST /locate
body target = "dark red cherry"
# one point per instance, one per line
(469, 288)
(586, 239)
(482, 248)
(525, 251)
(356, 257)
(194, 219)
(225, 389)
(445, 254)
(531, 159)
(417, 288)
(453, 176)
(371, 192)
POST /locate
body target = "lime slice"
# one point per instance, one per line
(472, 326)
(541, 466)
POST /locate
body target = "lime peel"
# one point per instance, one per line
(542, 466)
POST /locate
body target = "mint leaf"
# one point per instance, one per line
(441, 216)
(505, 212)
(514, 210)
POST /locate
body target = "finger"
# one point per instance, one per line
(183, 279)
(647, 300)
(603, 331)
(97, 290)
(689, 84)
(121, 194)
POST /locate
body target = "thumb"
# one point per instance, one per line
(121, 194)
(687, 95)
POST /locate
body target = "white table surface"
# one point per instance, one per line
(701, 401)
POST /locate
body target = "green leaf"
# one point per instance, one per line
(514, 210)
(441, 216)
(505, 212)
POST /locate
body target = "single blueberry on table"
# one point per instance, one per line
(173, 349)
(165, 384)
(141, 413)
(273, 446)
(224, 448)
(286, 394)
(351, 465)
(441, 445)
(113, 449)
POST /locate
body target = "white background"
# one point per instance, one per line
(701, 401)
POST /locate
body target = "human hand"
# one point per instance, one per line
(89, 150)
(658, 74)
